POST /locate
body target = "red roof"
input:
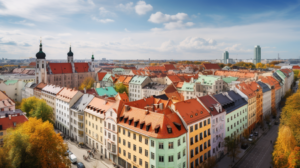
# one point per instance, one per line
(296, 67)
(101, 75)
(61, 68)
(81, 67)
(32, 64)
(191, 111)
(211, 66)
(169, 66)
(209, 103)
(170, 89)
(8, 123)
(124, 97)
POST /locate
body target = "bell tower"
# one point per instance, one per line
(70, 55)
(40, 69)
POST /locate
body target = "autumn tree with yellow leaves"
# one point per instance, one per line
(34, 144)
(87, 83)
(35, 107)
(287, 146)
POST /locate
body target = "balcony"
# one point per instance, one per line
(80, 118)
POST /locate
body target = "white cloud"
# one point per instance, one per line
(25, 23)
(125, 7)
(102, 20)
(64, 34)
(196, 43)
(43, 10)
(142, 8)
(104, 12)
(159, 17)
(91, 2)
(177, 25)
(167, 45)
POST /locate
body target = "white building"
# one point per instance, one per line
(48, 94)
(65, 99)
(153, 89)
(135, 87)
(77, 117)
(27, 91)
(267, 98)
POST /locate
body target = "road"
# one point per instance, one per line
(79, 152)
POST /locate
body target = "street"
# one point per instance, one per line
(91, 163)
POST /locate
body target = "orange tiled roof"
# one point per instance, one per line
(170, 89)
(211, 66)
(124, 97)
(246, 89)
(101, 75)
(191, 111)
(127, 80)
(296, 67)
(150, 102)
(40, 86)
(174, 78)
(152, 124)
(121, 79)
(169, 66)
(66, 94)
(60, 68)
(81, 67)
(175, 96)
(271, 81)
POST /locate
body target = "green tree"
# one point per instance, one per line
(35, 144)
(35, 107)
(121, 88)
(232, 145)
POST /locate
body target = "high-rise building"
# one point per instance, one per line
(225, 57)
(257, 55)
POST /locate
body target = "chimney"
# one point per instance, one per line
(147, 111)
(161, 105)
(9, 117)
(6, 115)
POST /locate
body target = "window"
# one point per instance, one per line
(178, 155)
(201, 136)
(192, 141)
(192, 153)
(183, 139)
(128, 133)
(141, 162)
(152, 143)
(201, 148)
(196, 127)
(134, 158)
(161, 158)
(120, 150)
(178, 142)
(146, 164)
(129, 155)
(146, 141)
(170, 145)
(140, 150)
(205, 134)
(146, 153)
(200, 124)
(196, 138)
(129, 144)
(183, 152)
(124, 153)
(204, 122)
(161, 145)
(152, 156)
(123, 131)
(140, 138)
(134, 136)
(205, 145)
(134, 147)
(208, 121)
(191, 128)
(171, 159)
(124, 142)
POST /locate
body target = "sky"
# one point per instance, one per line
(155, 29)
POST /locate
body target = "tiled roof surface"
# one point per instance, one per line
(152, 120)
(67, 94)
(124, 97)
(287, 72)
(211, 66)
(175, 96)
(5, 100)
(101, 75)
(264, 86)
(61, 68)
(107, 77)
(210, 103)
(170, 89)
(281, 74)
(10, 82)
(246, 89)
(296, 67)
(40, 86)
(169, 66)
(106, 91)
(174, 78)
(150, 102)
(191, 111)
(82, 102)
(239, 74)
(53, 89)
(271, 81)
(138, 80)
(32, 64)
(127, 80)
(8, 123)
(121, 79)
(229, 79)
(81, 67)
(101, 105)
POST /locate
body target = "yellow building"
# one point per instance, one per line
(197, 121)
(94, 115)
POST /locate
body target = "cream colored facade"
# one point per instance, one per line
(133, 148)
(251, 112)
(94, 129)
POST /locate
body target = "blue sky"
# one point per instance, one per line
(156, 29)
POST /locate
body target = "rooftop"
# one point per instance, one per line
(52, 89)
(230, 101)
(82, 102)
(12, 121)
(211, 104)
(106, 91)
(207, 79)
(66, 94)
(155, 86)
(138, 80)
(101, 75)
(264, 86)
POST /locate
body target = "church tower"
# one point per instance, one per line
(40, 70)
(70, 56)
(93, 63)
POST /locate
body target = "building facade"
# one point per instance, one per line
(135, 87)
(257, 55)
(267, 98)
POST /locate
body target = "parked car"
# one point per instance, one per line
(73, 158)
(255, 133)
(250, 139)
(244, 145)
(80, 165)
(251, 135)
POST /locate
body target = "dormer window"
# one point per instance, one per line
(136, 123)
(157, 129)
(169, 128)
(177, 125)
(148, 127)
(125, 119)
(130, 121)
(196, 114)
(142, 125)
(121, 118)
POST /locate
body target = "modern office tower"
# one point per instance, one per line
(257, 54)
(225, 57)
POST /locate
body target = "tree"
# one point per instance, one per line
(274, 112)
(246, 133)
(121, 88)
(35, 144)
(35, 107)
(87, 83)
(232, 144)
(210, 163)
(259, 65)
(4, 161)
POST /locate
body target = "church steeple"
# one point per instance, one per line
(70, 55)
(40, 54)
(93, 57)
